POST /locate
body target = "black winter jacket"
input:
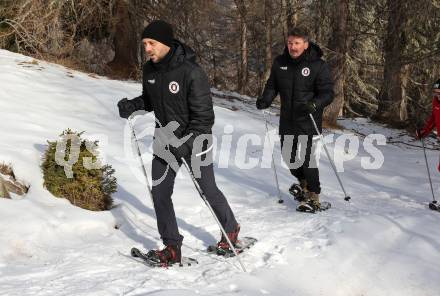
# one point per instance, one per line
(177, 89)
(298, 81)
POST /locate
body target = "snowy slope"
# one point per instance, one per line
(384, 242)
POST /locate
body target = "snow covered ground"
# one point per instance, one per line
(384, 242)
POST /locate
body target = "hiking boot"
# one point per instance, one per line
(170, 255)
(313, 198)
(299, 190)
(233, 237)
(310, 204)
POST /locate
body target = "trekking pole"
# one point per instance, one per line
(433, 204)
(347, 198)
(140, 159)
(202, 195)
(280, 199)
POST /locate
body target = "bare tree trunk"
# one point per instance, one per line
(284, 21)
(268, 45)
(243, 74)
(215, 79)
(403, 110)
(244, 58)
(338, 45)
(292, 13)
(289, 16)
(392, 104)
(126, 40)
(320, 12)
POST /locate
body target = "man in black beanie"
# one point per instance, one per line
(157, 32)
(176, 88)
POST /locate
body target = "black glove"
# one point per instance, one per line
(181, 151)
(126, 107)
(261, 105)
(309, 107)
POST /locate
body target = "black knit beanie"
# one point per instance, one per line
(160, 31)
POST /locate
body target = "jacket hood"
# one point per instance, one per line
(183, 52)
(180, 53)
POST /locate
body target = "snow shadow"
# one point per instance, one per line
(136, 230)
(260, 188)
(411, 233)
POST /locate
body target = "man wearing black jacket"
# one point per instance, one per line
(176, 89)
(302, 79)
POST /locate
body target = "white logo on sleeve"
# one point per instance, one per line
(283, 68)
(174, 87)
(305, 72)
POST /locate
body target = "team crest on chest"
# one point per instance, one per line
(305, 72)
(173, 87)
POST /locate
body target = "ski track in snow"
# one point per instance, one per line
(383, 242)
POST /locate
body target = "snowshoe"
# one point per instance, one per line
(311, 204)
(169, 256)
(308, 208)
(240, 246)
(222, 248)
(434, 205)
